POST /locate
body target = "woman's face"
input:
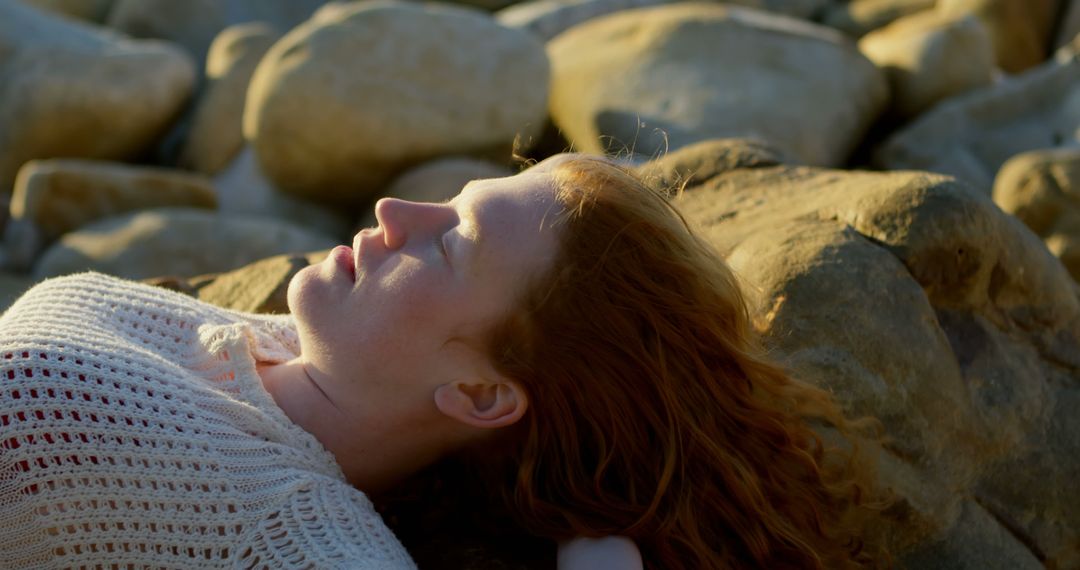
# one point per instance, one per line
(379, 322)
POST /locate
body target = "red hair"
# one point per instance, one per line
(654, 413)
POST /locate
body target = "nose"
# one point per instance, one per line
(400, 219)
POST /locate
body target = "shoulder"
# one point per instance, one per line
(328, 523)
(100, 297)
(98, 290)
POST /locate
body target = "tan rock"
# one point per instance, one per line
(381, 86)
(73, 90)
(916, 300)
(174, 241)
(60, 195)
(860, 17)
(1019, 29)
(696, 163)
(964, 545)
(1042, 189)
(259, 287)
(194, 24)
(216, 133)
(1066, 246)
(929, 57)
(651, 80)
(970, 136)
(549, 18)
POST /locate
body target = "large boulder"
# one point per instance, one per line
(656, 79)
(929, 57)
(914, 299)
(1021, 30)
(360, 92)
(215, 134)
(549, 18)
(194, 24)
(72, 90)
(174, 241)
(56, 196)
(861, 17)
(1042, 189)
(971, 135)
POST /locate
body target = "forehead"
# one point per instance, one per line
(515, 205)
(509, 220)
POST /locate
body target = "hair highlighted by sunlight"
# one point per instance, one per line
(654, 413)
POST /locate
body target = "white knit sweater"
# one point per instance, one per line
(135, 432)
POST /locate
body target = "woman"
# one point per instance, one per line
(559, 331)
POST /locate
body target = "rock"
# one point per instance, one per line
(1042, 189)
(914, 299)
(929, 57)
(1033, 492)
(655, 79)
(971, 135)
(195, 23)
(549, 18)
(243, 189)
(72, 90)
(60, 195)
(696, 163)
(963, 546)
(216, 133)
(437, 180)
(1019, 29)
(860, 17)
(347, 100)
(89, 10)
(1066, 246)
(174, 241)
(259, 287)
(1070, 24)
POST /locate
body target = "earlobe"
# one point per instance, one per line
(483, 404)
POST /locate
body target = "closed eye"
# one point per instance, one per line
(440, 244)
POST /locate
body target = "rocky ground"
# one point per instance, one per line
(896, 181)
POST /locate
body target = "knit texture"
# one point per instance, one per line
(135, 432)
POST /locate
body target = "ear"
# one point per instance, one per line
(482, 404)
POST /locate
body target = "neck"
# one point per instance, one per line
(375, 451)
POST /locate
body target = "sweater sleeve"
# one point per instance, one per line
(325, 524)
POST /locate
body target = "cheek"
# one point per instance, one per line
(410, 295)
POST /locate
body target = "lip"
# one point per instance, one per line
(343, 259)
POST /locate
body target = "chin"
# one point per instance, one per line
(304, 289)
